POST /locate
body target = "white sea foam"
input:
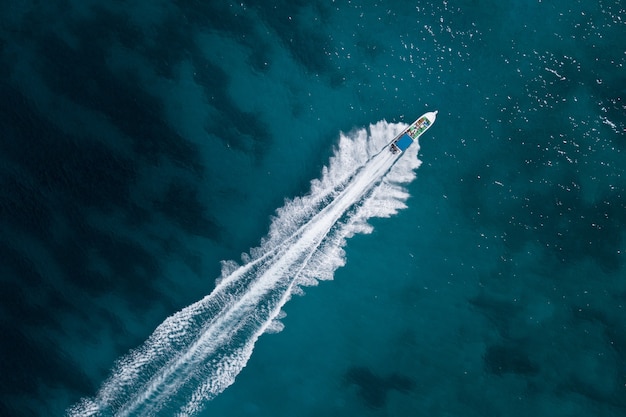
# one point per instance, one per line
(196, 353)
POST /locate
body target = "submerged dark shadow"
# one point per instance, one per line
(373, 388)
(501, 359)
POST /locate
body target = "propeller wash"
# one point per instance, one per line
(196, 353)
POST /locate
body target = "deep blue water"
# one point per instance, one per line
(142, 144)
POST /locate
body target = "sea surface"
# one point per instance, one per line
(198, 215)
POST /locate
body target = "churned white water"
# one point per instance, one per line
(197, 353)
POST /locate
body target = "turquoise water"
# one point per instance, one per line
(144, 144)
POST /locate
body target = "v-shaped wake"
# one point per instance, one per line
(196, 353)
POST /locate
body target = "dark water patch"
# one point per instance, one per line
(172, 42)
(28, 361)
(296, 25)
(373, 388)
(614, 398)
(127, 261)
(194, 262)
(31, 306)
(8, 407)
(16, 304)
(223, 17)
(59, 176)
(31, 302)
(52, 176)
(617, 340)
(83, 75)
(230, 20)
(240, 129)
(503, 359)
(498, 312)
(89, 173)
(612, 325)
(586, 313)
(129, 267)
(539, 198)
(595, 232)
(176, 40)
(79, 168)
(118, 26)
(259, 56)
(22, 205)
(371, 49)
(79, 172)
(182, 205)
(27, 296)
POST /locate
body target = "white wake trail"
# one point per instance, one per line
(196, 353)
